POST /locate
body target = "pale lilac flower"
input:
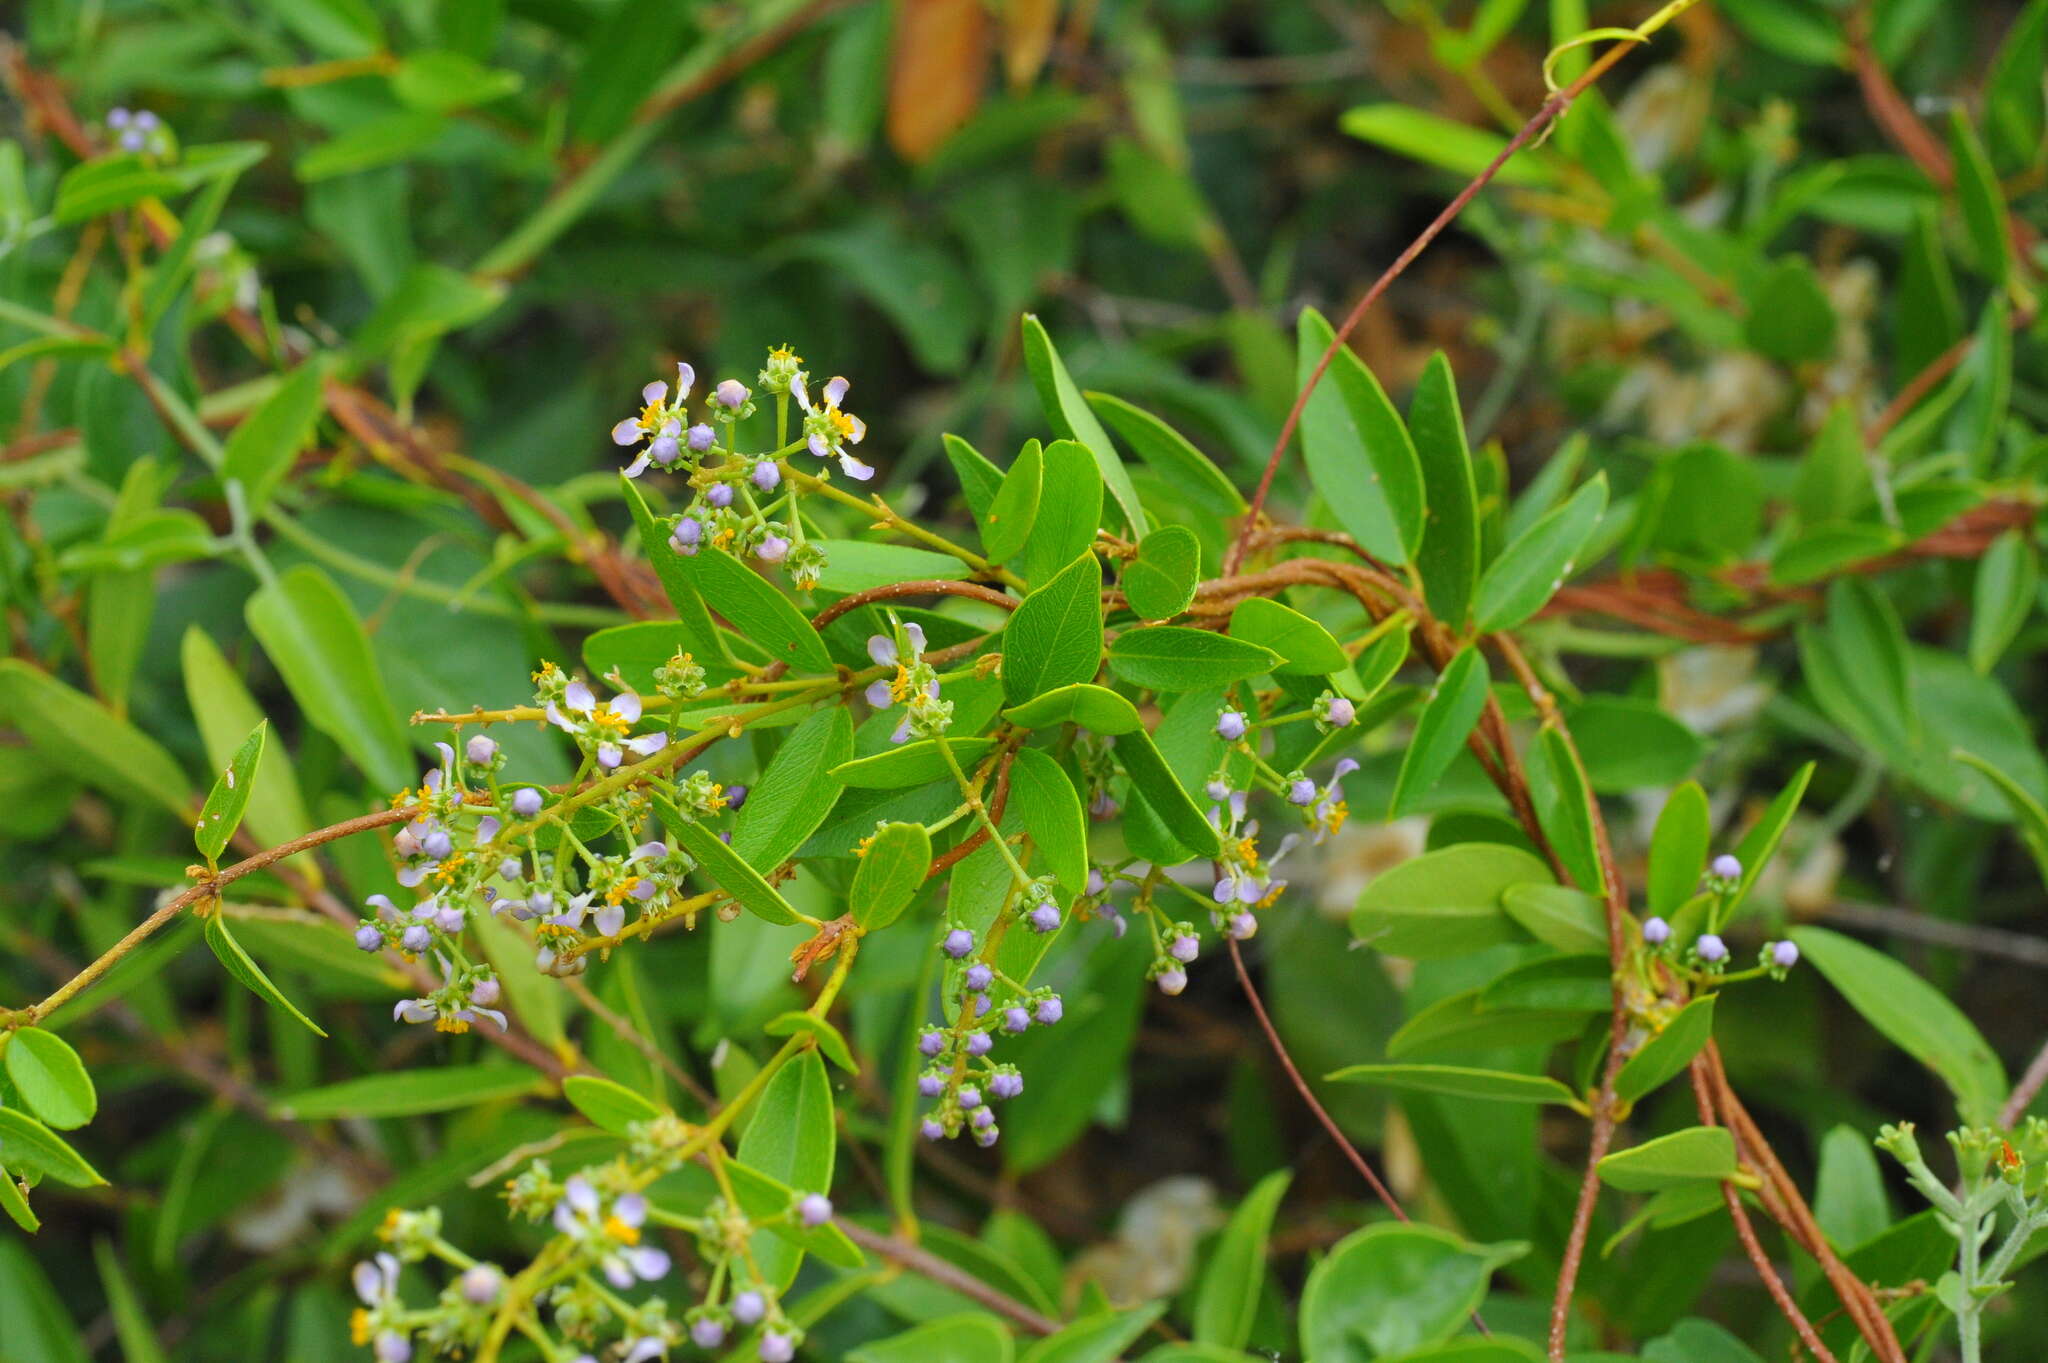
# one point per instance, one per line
(828, 429)
(658, 419)
(605, 723)
(772, 549)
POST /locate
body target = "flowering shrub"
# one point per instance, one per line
(905, 878)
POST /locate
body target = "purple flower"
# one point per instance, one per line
(930, 1085)
(700, 438)
(606, 723)
(828, 430)
(772, 549)
(987, 1137)
(1171, 981)
(970, 1096)
(930, 1041)
(1301, 791)
(749, 1307)
(1243, 927)
(417, 938)
(731, 394)
(1656, 931)
(707, 1332)
(1341, 712)
(657, 419)
(688, 535)
(1711, 948)
(1184, 948)
(1231, 725)
(1049, 1011)
(978, 978)
(735, 797)
(777, 1347)
(486, 991)
(958, 943)
(118, 117)
(1044, 918)
(1016, 1018)
(1103, 806)
(480, 749)
(482, 1284)
(369, 939)
(814, 1210)
(982, 1118)
(391, 1346)
(1096, 884)
(719, 495)
(1217, 790)
(930, 1129)
(979, 1043)
(526, 802)
(1784, 955)
(767, 475)
(1006, 1084)
(1726, 867)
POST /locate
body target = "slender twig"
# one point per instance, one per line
(2024, 1092)
(928, 1265)
(921, 587)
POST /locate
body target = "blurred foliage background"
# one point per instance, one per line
(499, 217)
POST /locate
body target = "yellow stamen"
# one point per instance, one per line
(359, 1327)
(445, 1023)
(1334, 817)
(1248, 853)
(620, 1231)
(618, 892)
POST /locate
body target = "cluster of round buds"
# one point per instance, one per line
(915, 686)
(1325, 804)
(1042, 906)
(1169, 968)
(661, 424)
(680, 678)
(1334, 712)
(1778, 958)
(140, 131)
(960, 1078)
(1244, 880)
(708, 1326)
(1710, 952)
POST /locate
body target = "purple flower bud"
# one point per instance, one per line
(719, 495)
(1102, 806)
(1341, 711)
(1006, 1084)
(486, 991)
(1656, 931)
(981, 1004)
(987, 1137)
(1172, 981)
(1049, 1010)
(1044, 918)
(1184, 948)
(970, 1097)
(930, 1085)
(930, 1041)
(481, 1285)
(118, 117)
(1096, 884)
(368, 938)
(689, 530)
(450, 919)
(1231, 725)
(133, 140)
(526, 802)
(145, 119)
(978, 977)
(979, 1043)
(480, 749)
(417, 938)
(748, 1308)
(1726, 867)
(1218, 790)
(930, 1129)
(777, 1347)
(1302, 791)
(700, 438)
(957, 943)
(391, 1346)
(772, 549)
(664, 449)
(731, 394)
(1016, 1018)
(707, 1332)
(437, 844)
(735, 798)
(982, 1118)
(1243, 927)
(814, 1210)
(767, 475)
(1711, 948)
(1784, 955)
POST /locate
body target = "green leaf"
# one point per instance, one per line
(1687, 1156)
(911, 764)
(756, 609)
(1069, 415)
(50, 1077)
(1446, 902)
(1305, 647)
(1066, 524)
(972, 1337)
(1438, 141)
(791, 1138)
(1227, 1302)
(1530, 570)
(1164, 793)
(37, 1326)
(315, 638)
(15, 1202)
(1453, 707)
(149, 540)
(32, 1148)
(725, 867)
(1177, 658)
(1014, 509)
(607, 1104)
(222, 814)
(826, 1037)
(1662, 1057)
(2008, 581)
(2029, 818)
(132, 1325)
(225, 712)
(676, 584)
(1915, 1016)
(1558, 916)
(1095, 708)
(1357, 448)
(1449, 556)
(106, 184)
(1789, 317)
(77, 735)
(1564, 808)
(1631, 744)
(796, 792)
(1678, 849)
(1579, 983)
(2014, 113)
(892, 870)
(1460, 1024)
(1055, 637)
(1045, 799)
(442, 82)
(1982, 201)
(408, 1093)
(1170, 455)
(1160, 582)
(381, 141)
(220, 939)
(1095, 1339)
(1760, 843)
(334, 28)
(980, 479)
(260, 452)
(1392, 1289)
(1458, 1081)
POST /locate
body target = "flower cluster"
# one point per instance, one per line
(959, 1076)
(140, 130)
(915, 686)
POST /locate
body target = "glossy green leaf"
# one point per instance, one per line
(1095, 708)
(1304, 646)
(407, 1093)
(608, 1104)
(1045, 799)
(226, 712)
(1227, 1301)
(915, 763)
(15, 1203)
(676, 584)
(1069, 414)
(1392, 1289)
(77, 735)
(1689, 1156)
(1449, 556)
(1529, 571)
(1453, 707)
(262, 448)
(1564, 808)
(755, 608)
(1055, 638)
(972, 1337)
(30, 1147)
(50, 1077)
(1443, 142)
(1760, 843)
(1066, 524)
(441, 82)
(1981, 198)
(1558, 916)
(107, 184)
(1630, 744)
(726, 868)
(1170, 455)
(791, 1138)
(1915, 1016)
(1678, 849)
(1176, 658)
(1459, 1081)
(859, 565)
(2007, 583)
(1357, 448)
(980, 479)
(1578, 983)
(892, 870)
(315, 638)
(1460, 1024)
(1164, 793)
(828, 1039)
(1014, 509)
(2029, 818)
(222, 813)
(796, 792)
(220, 939)
(1446, 902)
(1160, 582)
(1098, 1338)
(1664, 1055)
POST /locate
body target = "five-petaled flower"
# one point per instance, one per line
(604, 726)
(611, 1236)
(828, 430)
(660, 423)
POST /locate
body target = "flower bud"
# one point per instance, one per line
(1044, 918)
(417, 938)
(1184, 948)
(526, 802)
(1784, 955)
(930, 1129)
(773, 549)
(749, 1307)
(1231, 726)
(982, 1118)
(707, 1332)
(1711, 948)
(1096, 884)
(1656, 931)
(1726, 867)
(930, 1085)
(1015, 1018)
(814, 1210)
(719, 494)
(1243, 927)
(486, 991)
(1341, 712)
(777, 1347)
(767, 475)
(1301, 791)
(735, 798)
(480, 749)
(931, 1041)
(1171, 981)
(957, 943)
(970, 1096)
(979, 1043)
(482, 1284)
(1049, 1011)
(437, 844)
(978, 977)
(1006, 1084)
(369, 939)
(700, 438)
